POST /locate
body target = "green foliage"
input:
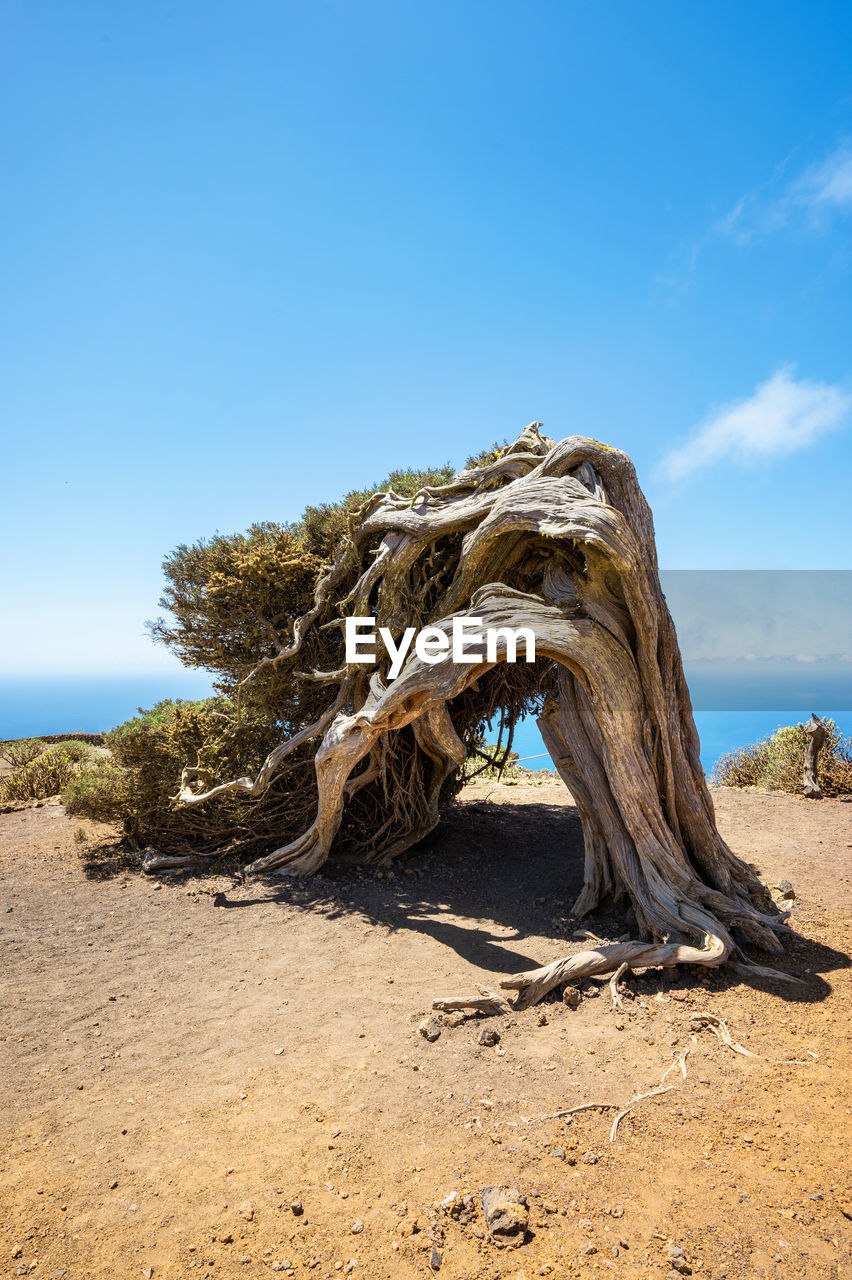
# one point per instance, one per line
(44, 776)
(231, 596)
(77, 749)
(487, 455)
(776, 762)
(132, 784)
(22, 752)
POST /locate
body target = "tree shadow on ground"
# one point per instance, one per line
(495, 884)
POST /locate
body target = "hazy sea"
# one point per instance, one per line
(30, 706)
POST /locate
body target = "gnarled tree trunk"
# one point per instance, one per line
(557, 538)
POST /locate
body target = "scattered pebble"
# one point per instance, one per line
(430, 1029)
(488, 1037)
(357, 1227)
(246, 1211)
(435, 1259)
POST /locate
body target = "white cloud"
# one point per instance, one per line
(826, 185)
(820, 190)
(781, 417)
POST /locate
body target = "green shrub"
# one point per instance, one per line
(47, 775)
(776, 762)
(77, 749)
(132, 785)
(22, 752)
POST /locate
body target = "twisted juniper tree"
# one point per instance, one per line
(558, 538)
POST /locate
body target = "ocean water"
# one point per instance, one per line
(30, 706)
(719, 732)
(35, 705)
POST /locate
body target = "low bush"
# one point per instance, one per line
(46, 775)
(133, 783)
(776, 762)
(79, 750)
(22, 752)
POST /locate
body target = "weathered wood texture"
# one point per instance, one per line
(817, 731)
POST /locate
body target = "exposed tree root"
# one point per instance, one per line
(720, 1030)
(640, 1097)
(617, 1002)
(487, 1001)
(153, 861)
(535, 984)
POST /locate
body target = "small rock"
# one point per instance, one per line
(284, 1265)
(296, 1206)
(430, 1029)
(227, 1238)
(557, 1153)
(590, 992)
(148, 1273)
(571, 997)
(435, 1259)
(588, 1249)
(113, 1184)
(590, 1158)
(246, 1211)
(488, 1037)
(350, 1267)
(542, 1018)
(357, 1227)
(616, 1211)
(678, 1261)
(506, 1214)
(456, 1018)
(245, 1259)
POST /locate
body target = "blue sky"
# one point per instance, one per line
(256, 254)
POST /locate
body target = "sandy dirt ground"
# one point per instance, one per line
(207, 1079)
